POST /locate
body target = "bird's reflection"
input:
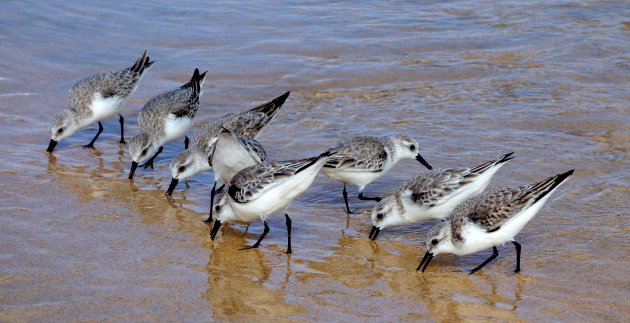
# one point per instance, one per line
(242, 283)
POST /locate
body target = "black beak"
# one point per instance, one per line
(171, 187)
(215, 229)
(51, 146)
(134, 165)
(426, 260)
(423, 162)
(374, 233)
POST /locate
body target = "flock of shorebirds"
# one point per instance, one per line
(253, 187)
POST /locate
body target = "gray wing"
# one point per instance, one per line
(249, 123)
(254, 148)
(430, 188)
(182, 102)
(498, 206)
(206, 136)
(249, 183)
(359, 153)
(119, 83)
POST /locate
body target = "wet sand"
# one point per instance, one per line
(469, 80)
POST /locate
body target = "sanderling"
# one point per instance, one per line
(489, 219)
(247, 123)
(96, 98)
(165, 118)
(258, 191)
(432, 195)
(363, 159)
(232, 152)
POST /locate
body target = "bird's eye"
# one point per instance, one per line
(182, 168)
(412, 147)
(217, 208)
(380, 216)
(434, 242)
(144, 152)
(60, 130)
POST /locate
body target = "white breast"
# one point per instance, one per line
(352, 176)
(229, 160)
(176, 128)
(104, 108)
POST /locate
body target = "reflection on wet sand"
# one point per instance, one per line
(239, 285)
(386, 272)
(99, 181)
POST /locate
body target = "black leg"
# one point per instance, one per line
(288, 232)
(186, 141)
(149, 162)
(365, 198)
(518, 256)
(345, 199)
(259, 239)
(91, 144)
(212, 195)
(122, 129)
(495, 253)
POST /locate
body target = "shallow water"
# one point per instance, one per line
(471, 80)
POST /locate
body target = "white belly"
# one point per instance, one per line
(352, 176)
(104, 108)
(176, 128)
(227, 163)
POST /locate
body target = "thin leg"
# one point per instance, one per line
(365, 198)
(518, 256)
(495, 253)
(91, 144)
(149, 162)
(259, 239)
(212, 194)
(186, 141)
(288, 232)
(345, 199)
(122, 129)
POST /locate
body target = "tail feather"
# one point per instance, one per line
(330, 151)
(487, 165)
(196, 81)
(272, 107)
(541, 189)
(313, 160)
(142, 63)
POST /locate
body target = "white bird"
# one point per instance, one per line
(232, 153)
(489, 219)
(258, 191)
(432, 195)
(364, 159)
(165, 118)
(96, 98)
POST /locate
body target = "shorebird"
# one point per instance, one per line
(363, 159)
(96, 98)
(165, 118)
(432, 195)
(246, 123)
(258, 191)
(489, 219)
(232, 152)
